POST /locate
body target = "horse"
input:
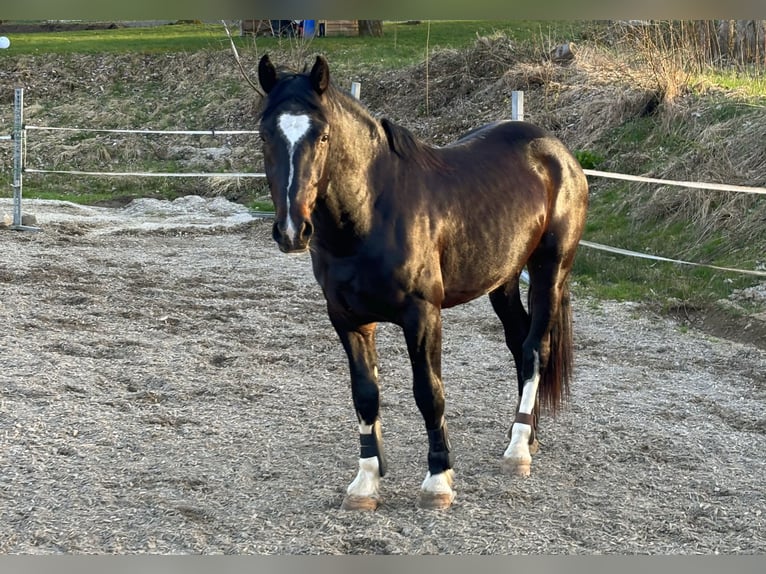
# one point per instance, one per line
(398, 230)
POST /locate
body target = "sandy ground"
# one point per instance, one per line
(169, 383)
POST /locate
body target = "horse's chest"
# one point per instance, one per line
(361, 288)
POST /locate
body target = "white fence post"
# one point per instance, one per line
(356, 89)
(19, 135)
(517, 106)
(517, 114)
(18, 149)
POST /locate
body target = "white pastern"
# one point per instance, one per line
(518, 449)
(367, 481)
(439, 483)
(294, 127)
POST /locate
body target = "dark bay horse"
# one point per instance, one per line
(398, 230)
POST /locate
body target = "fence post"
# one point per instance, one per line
(517, 106)
(19, 135)
(18, 122)
(517, 114)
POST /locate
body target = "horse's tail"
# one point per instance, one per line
(554, 383)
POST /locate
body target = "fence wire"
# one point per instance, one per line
(525, 277)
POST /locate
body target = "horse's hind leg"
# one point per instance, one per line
(506, 302)
(359, 344)
(548, 290)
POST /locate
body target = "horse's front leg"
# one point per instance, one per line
(423, 333)
(359, 344)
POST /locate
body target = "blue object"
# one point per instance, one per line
(309, 28)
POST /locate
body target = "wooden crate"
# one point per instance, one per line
(255, 28)
(337, 28)
(269, 27)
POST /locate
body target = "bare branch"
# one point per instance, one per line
(239, 62)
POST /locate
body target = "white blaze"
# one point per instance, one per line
(294, 127)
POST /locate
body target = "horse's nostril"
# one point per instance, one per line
(307, 229)
(276, 232)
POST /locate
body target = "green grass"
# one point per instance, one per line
(401, 43)
(261, 206)
(589, 159)
(169, 38)
(625, 278)
(404, 43)
(99, 190)
(619, 216)
(87, 198)
(750, 84)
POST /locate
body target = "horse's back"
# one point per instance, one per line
(520, 158)
(512, 131)
(515, 139)
(509, 165)
(513, 184)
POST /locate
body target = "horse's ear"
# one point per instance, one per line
(320, 75)
(267, 74)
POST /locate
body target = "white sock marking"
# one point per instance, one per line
(294, 127)
(367, 481)
(439, 483)
(518, 449)
(529, 392)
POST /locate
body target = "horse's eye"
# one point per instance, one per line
(324, 138)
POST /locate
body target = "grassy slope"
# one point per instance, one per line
(613, 217)
(713, 228)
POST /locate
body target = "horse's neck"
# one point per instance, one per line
(350, 196)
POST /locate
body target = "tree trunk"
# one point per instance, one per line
(707, 36)
(743, 41)
(724, 38)
(370, 28)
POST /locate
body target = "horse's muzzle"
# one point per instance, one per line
(295, 242)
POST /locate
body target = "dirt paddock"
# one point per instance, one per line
(171, 384)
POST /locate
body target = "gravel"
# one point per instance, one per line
(169, 383)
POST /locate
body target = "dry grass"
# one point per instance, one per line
(583, 103)
(724, 152)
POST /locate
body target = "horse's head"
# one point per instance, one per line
(295, 134)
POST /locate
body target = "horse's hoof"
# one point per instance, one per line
(436, 500)
(360, 503)
(517, 467)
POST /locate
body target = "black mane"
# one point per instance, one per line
(407, 146)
